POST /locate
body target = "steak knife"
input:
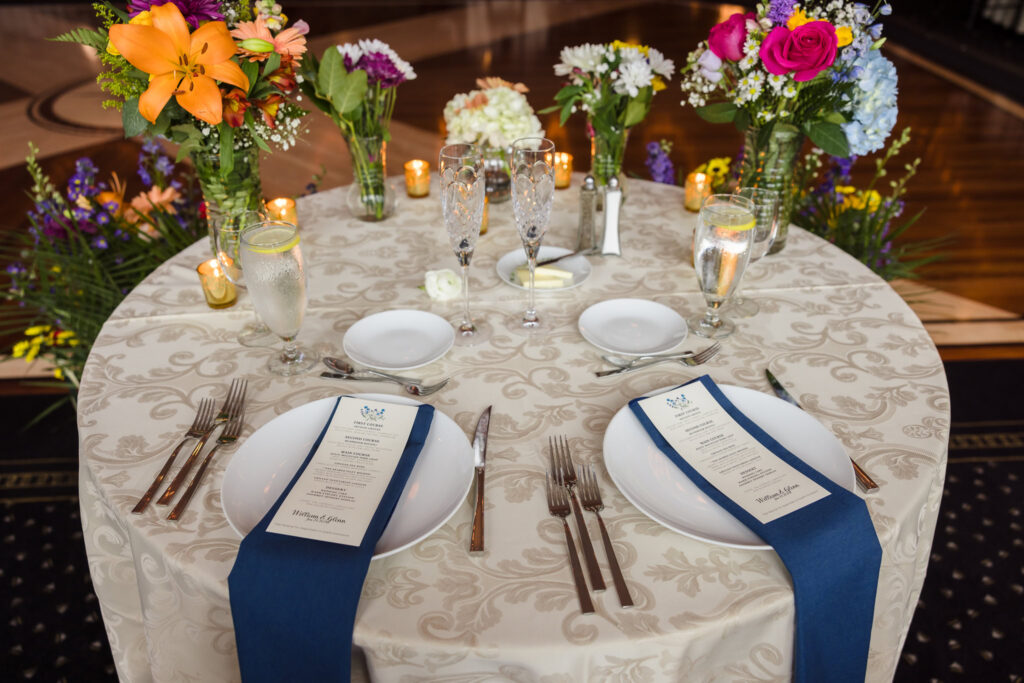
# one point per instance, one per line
(476, 541)
(866, 483)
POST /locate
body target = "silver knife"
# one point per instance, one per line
(555, 259)
(865, 481)
(476, 541)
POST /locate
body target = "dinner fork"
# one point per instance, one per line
(230, 434)
(558, 505)
(590, 496)
(564, 472)
(202, 422)
(696, 359)
(413, 389)
(232, 405)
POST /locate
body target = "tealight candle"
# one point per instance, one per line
(417, 178)
(283, 209)
(698, 188)
(563, 170)
(484, 220)
(217, 289)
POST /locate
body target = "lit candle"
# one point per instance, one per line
(698, 187)
(563, 170)
(484, 220)
(283, 209)
(417, 178)
(217, 289)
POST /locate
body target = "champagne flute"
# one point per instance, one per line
(766, 217)
(225, 228)
(533, 187)
(721, 249)
(463, 187)
(276, 277)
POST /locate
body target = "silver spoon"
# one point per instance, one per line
(345, 368)
(414, 389)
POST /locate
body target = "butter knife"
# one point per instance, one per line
(476, 541)
(863, 480)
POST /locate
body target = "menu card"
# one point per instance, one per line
(337, 494)
(731, 459)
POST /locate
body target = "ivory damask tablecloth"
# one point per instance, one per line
(855, 354)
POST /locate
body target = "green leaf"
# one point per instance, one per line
(719, 112)
(84, 36)
(348, 95)
(764, 134)
(272, 63)
(566, 113)
(637, 108)
(133, 122)
(742, 120)
(834, 117)
(830, 137)
(163, 122)
(227, 150)
(252, 72)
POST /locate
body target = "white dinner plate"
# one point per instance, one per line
(632, 326)
(398, 340)
(264, 464)
(661, 491)
(578, 265)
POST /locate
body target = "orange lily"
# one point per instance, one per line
(180, 64)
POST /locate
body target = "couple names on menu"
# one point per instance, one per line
(338, 492)
(701, 430)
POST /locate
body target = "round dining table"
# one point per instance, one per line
(846, 345)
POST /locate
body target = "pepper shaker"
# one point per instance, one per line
(612, 204)
(586, 236)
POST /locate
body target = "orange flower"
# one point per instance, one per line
(256, 42)
(495, 82)
(478, 100)
(180, 64)
(156, 198)
(269, 106)
(235, 104)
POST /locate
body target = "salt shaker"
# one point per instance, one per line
(612, 204)
(586, 237)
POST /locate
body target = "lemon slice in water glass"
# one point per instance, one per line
(274, 240)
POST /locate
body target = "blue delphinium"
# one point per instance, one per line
(874, 104)
(658, 163)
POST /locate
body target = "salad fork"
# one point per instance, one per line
(558, 506)
(410, 388)
(696, 359)
(590, 496)
(229, 435)
(202, 422)
(564, 472)
(233, 403)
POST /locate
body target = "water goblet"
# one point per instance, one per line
(533, 187)
(766, 227)
(225, 228)
(721, 249)
(276, 277)
(463, 187)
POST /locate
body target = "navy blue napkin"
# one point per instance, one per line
(293, 600)
(830, 549)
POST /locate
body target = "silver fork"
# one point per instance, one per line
(564, 472)
(202, 422)
(410, 388)
(229, 435)
(558, 505)
(590, 496)
(232, 404)
(696, 359)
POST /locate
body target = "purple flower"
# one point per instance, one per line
(100, 242)
(144, 175)
(380, 69)
(151, 146)
(659, 165)
(164, 165)
(780, 11)
(194, 11)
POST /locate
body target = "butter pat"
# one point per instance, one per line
(545, 277)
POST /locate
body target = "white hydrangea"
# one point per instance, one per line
(494, 117)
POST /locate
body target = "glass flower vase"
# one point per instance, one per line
(769, 163)
(497, 175)
(371, 197)
(607, 151)
(229, 192)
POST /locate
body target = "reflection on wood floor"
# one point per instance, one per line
(971, 145)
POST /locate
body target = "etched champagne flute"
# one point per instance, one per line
(533, 187)
(766, 227)
(463, 187)
(721, 249)
(276, 277)
(225, 228)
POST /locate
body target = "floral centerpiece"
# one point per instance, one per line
(87, 246)
(791, 70)
(211, 76)
(493, 116)
(613, 85)
(356, 84)
(862, 221)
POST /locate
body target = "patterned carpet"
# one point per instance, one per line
(969, 625)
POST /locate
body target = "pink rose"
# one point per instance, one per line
(726, 39)
(806, 50)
